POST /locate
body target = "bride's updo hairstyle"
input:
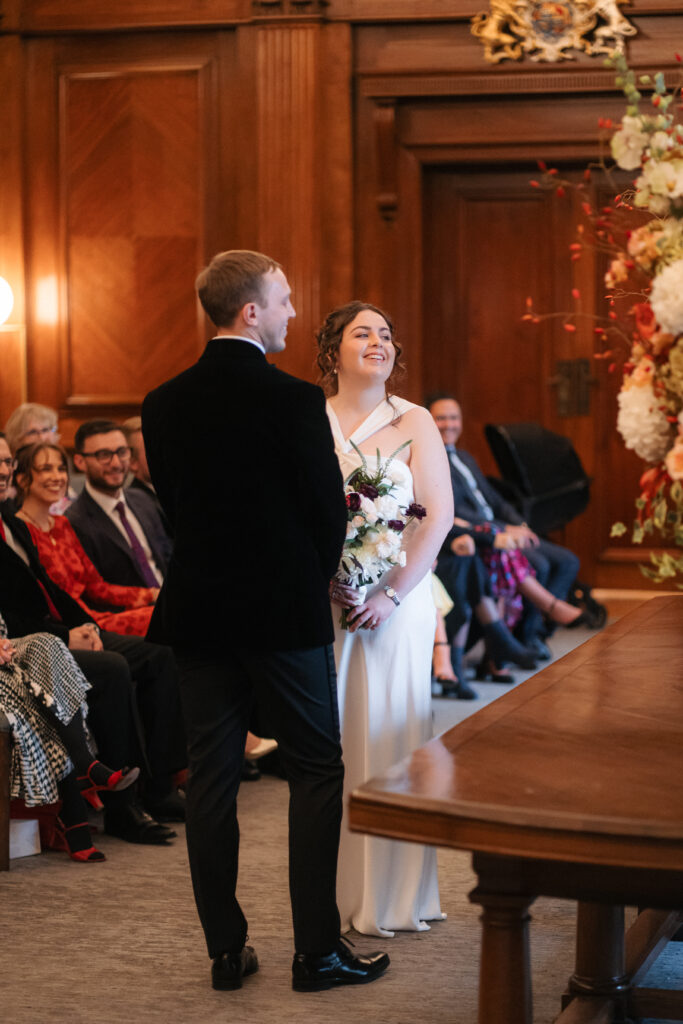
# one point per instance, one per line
(329, 339)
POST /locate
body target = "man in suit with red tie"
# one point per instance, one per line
(120, 530)
(242, 459)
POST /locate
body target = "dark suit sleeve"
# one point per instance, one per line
(23, 589)
(319, 476)
(502, 510)
(153, 433)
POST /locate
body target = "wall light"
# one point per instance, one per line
(6, 300)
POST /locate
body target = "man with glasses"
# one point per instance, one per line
(121, 530)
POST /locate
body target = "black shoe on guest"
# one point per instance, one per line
(168, 808)
(133, 824)
(539, 649)
(250, 772)
(340, 967)
(228, 969)
(458, 690)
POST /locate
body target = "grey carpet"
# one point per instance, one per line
(119, 942)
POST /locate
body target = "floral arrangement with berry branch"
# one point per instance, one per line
(643, 322)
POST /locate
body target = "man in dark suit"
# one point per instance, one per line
(115, 666)
(120, 530)
(242, 459)
(476, 501)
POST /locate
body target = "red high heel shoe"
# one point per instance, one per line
(99, 778)
(74, 836)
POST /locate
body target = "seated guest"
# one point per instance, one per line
(121, 531)
(443, 673)
(142, 480)
(464, 576)
(477, 502)
(32, 603)
(42, 693)
(41, 477)
(31, 422)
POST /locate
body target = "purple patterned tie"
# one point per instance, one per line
(138, 550)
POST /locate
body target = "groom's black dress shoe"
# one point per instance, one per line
(340, 967)
(228, 969)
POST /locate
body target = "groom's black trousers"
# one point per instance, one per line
(296, 696)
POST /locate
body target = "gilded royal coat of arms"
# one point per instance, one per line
(551, 30)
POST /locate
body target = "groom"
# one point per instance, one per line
(242, 460)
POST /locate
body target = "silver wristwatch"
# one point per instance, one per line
(392, 595)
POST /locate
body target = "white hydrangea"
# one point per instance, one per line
(628, 143)
(666, 298)
(642, 424)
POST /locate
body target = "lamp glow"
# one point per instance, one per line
(6, 300)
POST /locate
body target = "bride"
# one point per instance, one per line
(384, 657)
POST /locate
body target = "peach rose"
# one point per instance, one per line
(674, 460)
(643, 373)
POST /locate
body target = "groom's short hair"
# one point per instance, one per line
(231, 280)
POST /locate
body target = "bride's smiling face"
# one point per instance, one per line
(366, 347)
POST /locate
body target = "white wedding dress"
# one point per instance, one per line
(384, 683)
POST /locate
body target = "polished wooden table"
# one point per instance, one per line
(570, 785)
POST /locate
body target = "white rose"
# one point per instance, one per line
(628, 143)
(642, 424)
(351, 531)
(387, 544)
(387, 507)
(367, 507)
(659, 177)
(666, 298)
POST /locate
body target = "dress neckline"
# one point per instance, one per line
(379, 417)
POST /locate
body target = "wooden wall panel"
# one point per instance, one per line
(12, 334)
(132, 187)
(117, 236)
(297, 217)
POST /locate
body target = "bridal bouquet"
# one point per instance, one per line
(644, 282)
(375, 524)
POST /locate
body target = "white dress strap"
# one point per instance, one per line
(381, 416)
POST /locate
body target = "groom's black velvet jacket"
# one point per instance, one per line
(242, 460)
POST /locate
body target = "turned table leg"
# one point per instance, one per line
(505, 972)
(600, 968)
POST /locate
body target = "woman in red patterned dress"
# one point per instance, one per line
(42, 478)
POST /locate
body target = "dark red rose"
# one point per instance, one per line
(416, 511)
(396, 524)
(369, 490)
(353, 501)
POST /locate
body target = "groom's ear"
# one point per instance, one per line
(249, 314)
